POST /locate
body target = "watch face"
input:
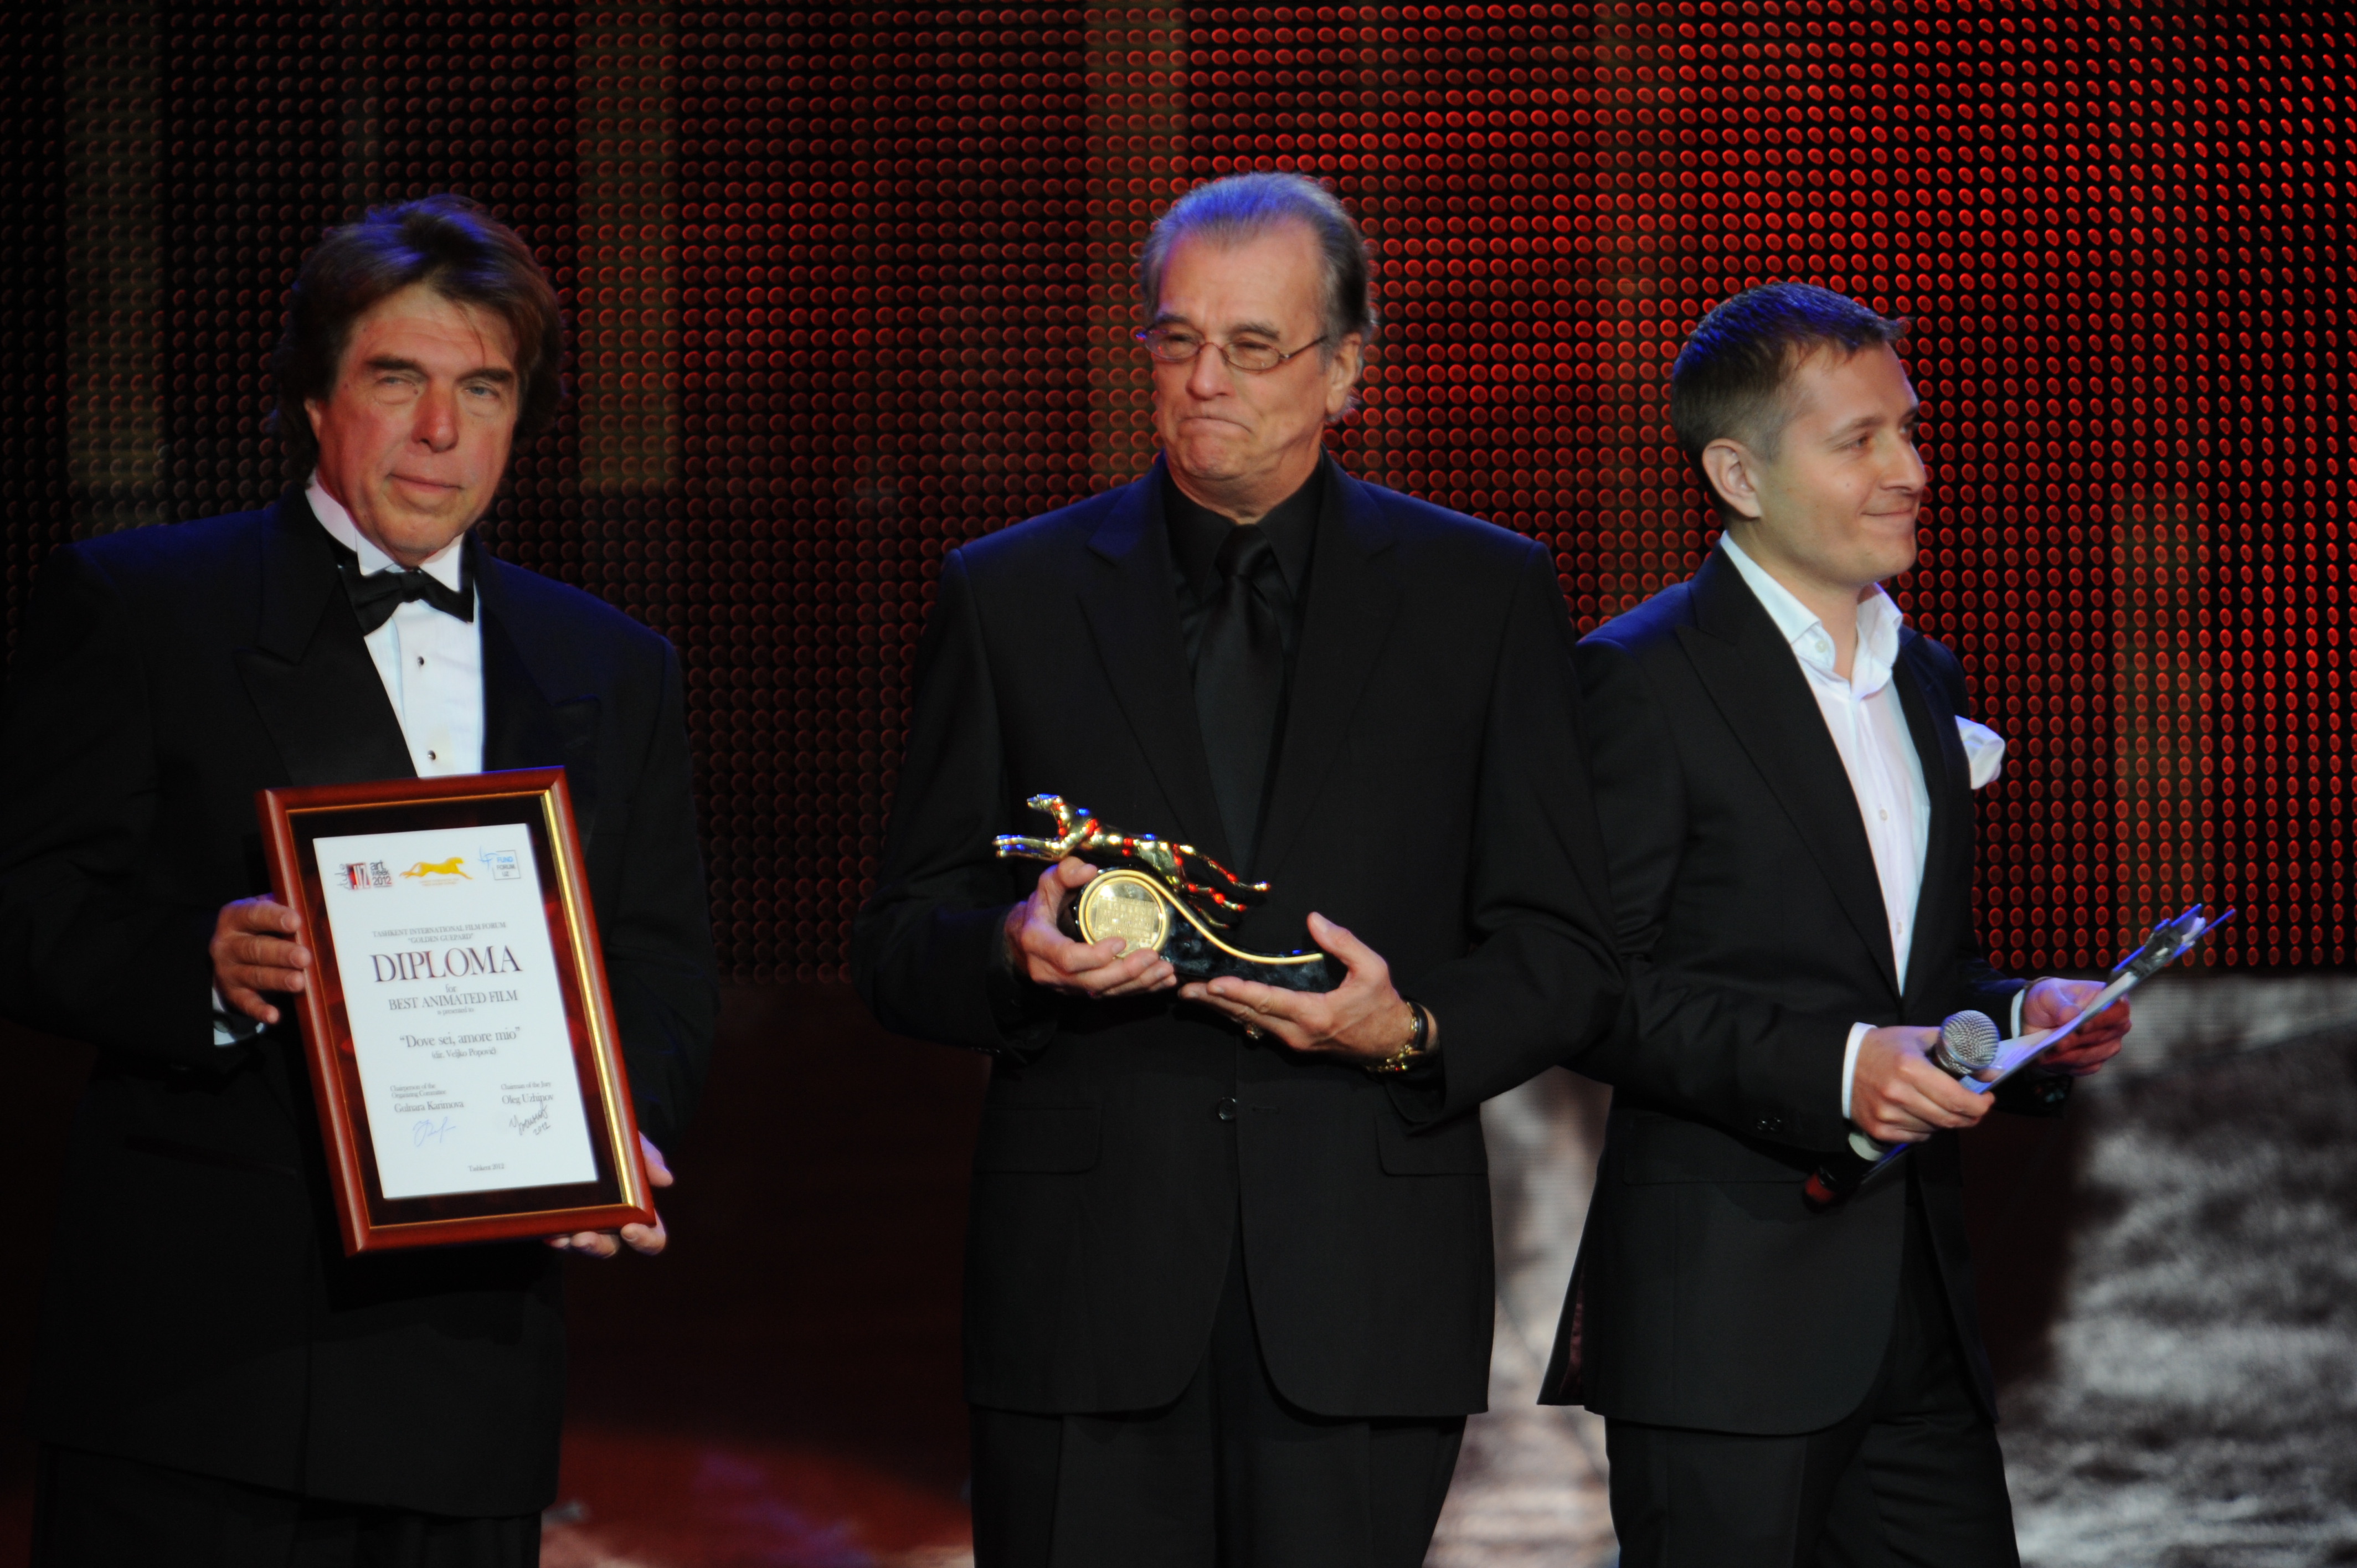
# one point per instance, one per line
(1125, 905)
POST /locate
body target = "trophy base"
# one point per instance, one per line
(1142, 914)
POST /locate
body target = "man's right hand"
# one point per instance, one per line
(254, 949)
(1047, 957)
(1897, 1096)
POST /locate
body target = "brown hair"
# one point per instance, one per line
(467, 255)
(1731, 377)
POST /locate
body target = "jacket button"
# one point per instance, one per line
(1226, 1110)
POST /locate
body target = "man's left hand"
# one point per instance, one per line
(1363, 1019)
(2054, 1002)
(648, 1240)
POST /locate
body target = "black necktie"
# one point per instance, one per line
(1240, 681)
(377, 595)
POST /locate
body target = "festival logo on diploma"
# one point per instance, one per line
(451, 985)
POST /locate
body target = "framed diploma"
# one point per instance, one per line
(461, 1041)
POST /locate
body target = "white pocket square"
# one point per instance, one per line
(1983, 750)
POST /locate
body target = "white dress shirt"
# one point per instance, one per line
(431, 663)
(1868, 727)
(432, 667)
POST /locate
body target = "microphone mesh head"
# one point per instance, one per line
(1968, 1042)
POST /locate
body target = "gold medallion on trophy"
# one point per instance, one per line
(1170, 897)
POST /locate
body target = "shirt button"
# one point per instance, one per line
(1226, 1110)
(433, 757)
(1883, 814)
(421, 661)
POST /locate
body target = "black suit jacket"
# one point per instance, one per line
(1428, 797)
(1745, 897)
(201, 1313)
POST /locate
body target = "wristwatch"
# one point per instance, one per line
(1414, 1051)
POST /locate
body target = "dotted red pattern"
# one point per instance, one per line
(2114, 229)
(852, 285)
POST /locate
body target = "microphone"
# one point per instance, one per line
(1968, 1043)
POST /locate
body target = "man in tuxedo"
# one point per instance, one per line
(1783, 774)
(1222, 1303)
(215, 1384)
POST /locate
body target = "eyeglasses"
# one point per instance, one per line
(1176, 346)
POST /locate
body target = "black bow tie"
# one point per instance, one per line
(378, 594)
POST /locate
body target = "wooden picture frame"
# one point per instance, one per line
(521, 1077)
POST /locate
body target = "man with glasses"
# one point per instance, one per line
(1222, 1304)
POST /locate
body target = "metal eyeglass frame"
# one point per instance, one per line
(1144, 336)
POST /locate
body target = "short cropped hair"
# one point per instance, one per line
(447, 243)
(1244, 206)
(1733, 377)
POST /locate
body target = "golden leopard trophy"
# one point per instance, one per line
(1170, 898)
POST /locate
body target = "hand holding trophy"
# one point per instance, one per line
(1169, 899)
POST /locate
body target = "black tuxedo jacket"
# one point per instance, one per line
(1708, 1295)
(201, 1313)
(1428, 795)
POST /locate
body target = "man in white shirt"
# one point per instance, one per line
(216, 1385)
(1783, 774)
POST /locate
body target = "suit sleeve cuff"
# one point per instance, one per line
(1025, 1014)
(1857, 1032)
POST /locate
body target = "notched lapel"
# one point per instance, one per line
(1758, 689)
(1132, 610)
(1352, 603)
(308, 674)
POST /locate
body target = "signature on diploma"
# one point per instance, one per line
(431, 1132)
(537, 1122)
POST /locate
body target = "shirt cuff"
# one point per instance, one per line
(231, 1027)
(2018, 998)
(1857, 1032)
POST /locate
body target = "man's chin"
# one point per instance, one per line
(1898, 554)
(1211, 458)
(418, 531)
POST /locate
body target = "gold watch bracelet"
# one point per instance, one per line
(1416, 1050)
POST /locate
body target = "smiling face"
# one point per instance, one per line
(414, 434)
(1837, 504)
(1238, 441)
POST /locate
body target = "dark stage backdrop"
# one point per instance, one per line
(850, 284)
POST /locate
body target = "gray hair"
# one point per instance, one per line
(1244, 206)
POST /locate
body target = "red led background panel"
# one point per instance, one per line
(851, 284)
(884, 236)
(2116, 230)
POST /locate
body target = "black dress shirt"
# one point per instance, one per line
(1196, 534)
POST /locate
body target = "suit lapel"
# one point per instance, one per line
(1759, 687)
(523, 726)
(1349, 618)
(308, 672)
(1128, 597)
(1947, 782)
